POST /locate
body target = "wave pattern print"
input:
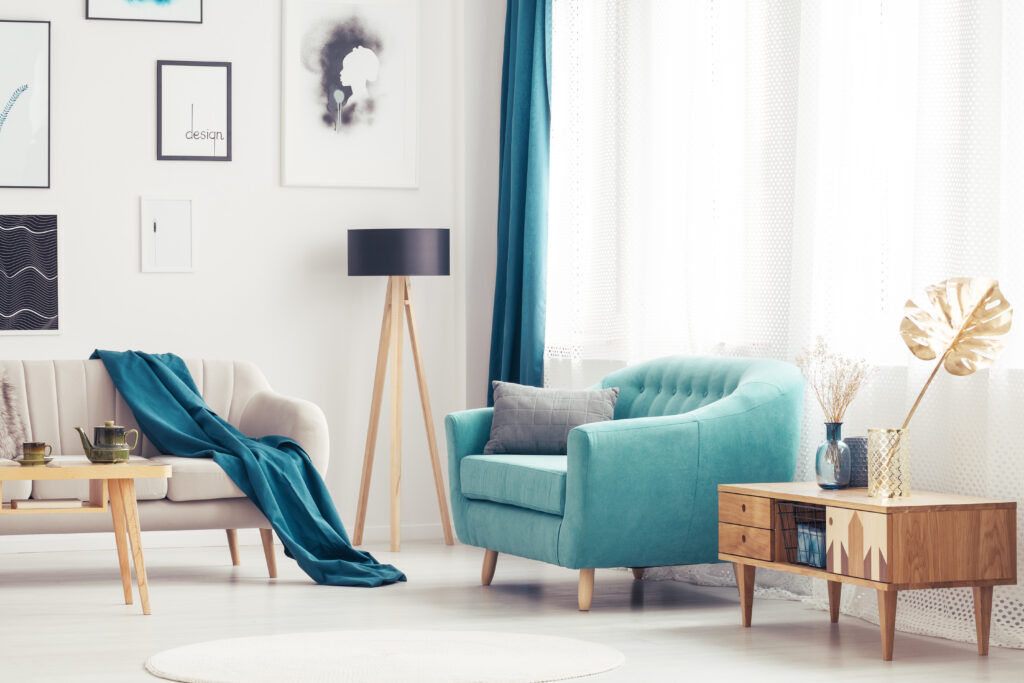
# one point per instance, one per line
(28, 273)
(10, 104)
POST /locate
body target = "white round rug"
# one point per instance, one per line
(386, 655)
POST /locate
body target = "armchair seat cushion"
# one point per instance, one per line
(197, 479)
(535, 482)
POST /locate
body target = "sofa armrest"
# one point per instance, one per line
(467, 433)
(654, 480)
(269, 413)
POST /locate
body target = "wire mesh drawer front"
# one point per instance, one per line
(802, 526)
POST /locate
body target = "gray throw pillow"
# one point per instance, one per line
(533, 421)
(12, 424)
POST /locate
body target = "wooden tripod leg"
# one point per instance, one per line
(397, 305)
(371, 430)
(428, 417)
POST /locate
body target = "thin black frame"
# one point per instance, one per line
(159, 109)
(158, 21)
(49, 98)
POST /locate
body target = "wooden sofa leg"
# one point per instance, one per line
(586, 589)
(638, 572)
(233, 546)
(490, 561)
(268, 549)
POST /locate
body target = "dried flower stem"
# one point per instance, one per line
(835, 379)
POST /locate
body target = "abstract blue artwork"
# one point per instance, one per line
(182, 11)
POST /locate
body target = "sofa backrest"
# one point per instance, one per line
(57, 396)
(680, 384)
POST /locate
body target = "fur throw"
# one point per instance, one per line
(12, 423)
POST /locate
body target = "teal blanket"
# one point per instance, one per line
(274, 472)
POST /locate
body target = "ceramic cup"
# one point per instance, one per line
(35, 450)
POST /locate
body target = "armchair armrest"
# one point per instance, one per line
(644, 490)
(268, 413)
(467, 433)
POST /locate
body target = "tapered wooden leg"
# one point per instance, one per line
(131, 510)
(121, 538)
(428, 418)
(233, 546)
(585, 592)
(835, 593)
(638, 573)
(268, 550)
(983, 616)
(745, 582)
(397, 308)
(490, 561)
(887, 621)
(371, 431)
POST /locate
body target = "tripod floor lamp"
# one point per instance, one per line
(398, 253)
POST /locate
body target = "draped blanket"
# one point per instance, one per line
(274, 472)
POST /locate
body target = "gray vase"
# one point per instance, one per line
(858, 460)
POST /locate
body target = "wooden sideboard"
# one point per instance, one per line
(925, 540)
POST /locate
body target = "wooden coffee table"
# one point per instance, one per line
(925, 540)
(113, 482)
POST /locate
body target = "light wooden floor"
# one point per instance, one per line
(61, 618)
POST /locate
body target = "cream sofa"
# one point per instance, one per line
(57, 396)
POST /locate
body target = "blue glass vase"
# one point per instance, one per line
(832, 463)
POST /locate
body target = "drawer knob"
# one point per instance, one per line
(743, 507)
(743, 538)
(830, 521)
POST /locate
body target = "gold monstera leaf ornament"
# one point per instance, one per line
(963, 327)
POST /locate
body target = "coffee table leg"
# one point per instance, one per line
(887, 621)
(131, 510)
(982, 616)
(745, 582)
(121, 537)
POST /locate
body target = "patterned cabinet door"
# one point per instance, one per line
(857, 543)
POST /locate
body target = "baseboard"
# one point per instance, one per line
(43, 543)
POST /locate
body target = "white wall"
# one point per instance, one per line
(484, 43)
(271, 284)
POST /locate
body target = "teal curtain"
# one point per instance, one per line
(517, 328)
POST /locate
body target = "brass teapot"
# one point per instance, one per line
(110, 445)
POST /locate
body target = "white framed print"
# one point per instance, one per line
(350, 93)
(24, 104)
(180, 11)
(29, 274)
(165, 235)
(193, 111)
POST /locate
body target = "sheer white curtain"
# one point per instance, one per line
(738, 178)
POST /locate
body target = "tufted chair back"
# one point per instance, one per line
(680, 384)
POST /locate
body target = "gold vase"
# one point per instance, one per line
(888, 462)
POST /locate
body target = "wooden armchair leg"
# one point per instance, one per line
(490, 561)
(233, 546)
(638, 572)
(268, 550)
(586, 589)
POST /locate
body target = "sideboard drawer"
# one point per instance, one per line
(745, 541)
(745, 510)
(857, 543)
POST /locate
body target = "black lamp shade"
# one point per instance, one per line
(400, 251)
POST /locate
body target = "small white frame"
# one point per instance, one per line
(173, 249)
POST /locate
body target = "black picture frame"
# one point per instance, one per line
(160, 104)
(157, 21)
(49, 103)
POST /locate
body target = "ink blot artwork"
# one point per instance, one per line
(346, 56)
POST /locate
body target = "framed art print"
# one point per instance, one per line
(28, 274)
(24, 103)
(166, 236)
(182, 11)
(193, 111)
(350, 93)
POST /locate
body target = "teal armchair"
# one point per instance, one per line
(637, 491)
